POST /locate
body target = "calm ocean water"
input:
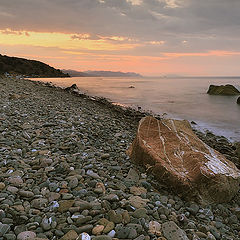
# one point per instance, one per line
(181, 98)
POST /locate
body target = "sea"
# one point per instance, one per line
(169, 97)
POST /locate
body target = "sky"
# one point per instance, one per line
(151, 37)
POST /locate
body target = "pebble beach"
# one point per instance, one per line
(65, 174)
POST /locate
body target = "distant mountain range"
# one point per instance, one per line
(28, 68)
(33, 68)
(74, 73)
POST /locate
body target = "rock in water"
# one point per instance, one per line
(223, 90)
(177, 157)
(73, 89)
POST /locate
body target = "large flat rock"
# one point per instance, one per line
(177, 157)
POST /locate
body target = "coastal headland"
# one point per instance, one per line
(64, 171)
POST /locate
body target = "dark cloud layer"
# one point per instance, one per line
(203, 24)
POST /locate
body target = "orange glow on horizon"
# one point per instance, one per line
(117, 53)
(63, 40)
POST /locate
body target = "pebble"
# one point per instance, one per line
(84, 236)
(10, 236)
(132, 233)
(67, 196)
(12, 189)
(71, 235)
(85, 228)
(27, 235)
(193, 208)
(65, 205)
(155, 228)
(172, 231)
(73, 182)
(137, 227)
(138, 202)
(125, 217)
(2, 185)
(102, 237)
(46, 224)
(105, 156)
(140, 213)
(27, 194)
(92, 174)
(123, 232)
(97, 230)
(133, 175)
(4, 228)
(39, 203)
(112, 234)
(114, 217)
(112, 198)
(15, 181)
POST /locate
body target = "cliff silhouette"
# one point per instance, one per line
(29, 68)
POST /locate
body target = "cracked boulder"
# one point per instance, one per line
(171, 151)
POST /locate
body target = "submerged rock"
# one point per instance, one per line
(223, 90)
(177, 157)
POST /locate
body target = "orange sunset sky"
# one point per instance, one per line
(151, 37)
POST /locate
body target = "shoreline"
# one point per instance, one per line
(206, 135)
(217, 123)
(62, 151)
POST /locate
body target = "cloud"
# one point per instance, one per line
(138, 27)
(12, 32)
(142, 19)
(84, 36)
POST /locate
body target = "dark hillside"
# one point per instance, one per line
(30, 68)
